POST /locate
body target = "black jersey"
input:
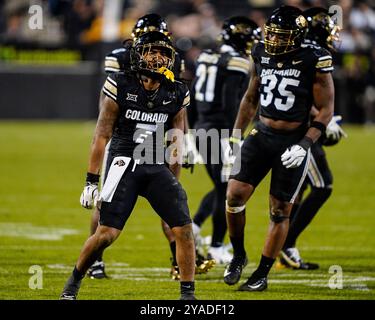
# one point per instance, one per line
(221, 79)
(119, 61)
(142, 117)
(286, 84)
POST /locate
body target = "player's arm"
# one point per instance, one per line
(323, 93)
(249, 103)
(103, 132)
(109, 110)
(178, 125)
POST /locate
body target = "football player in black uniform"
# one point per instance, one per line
(286, 81)
(139, 106)
(118, 61)
(322, 32)
(221, 80)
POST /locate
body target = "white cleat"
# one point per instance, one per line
(220, 254)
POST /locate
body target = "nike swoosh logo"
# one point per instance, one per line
(255, 286)
(226, 272)
(296, 62)
(166, 102)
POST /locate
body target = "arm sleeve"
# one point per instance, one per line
(110, 87)
(324, 61)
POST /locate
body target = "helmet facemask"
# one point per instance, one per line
(155, 59)
(279, 41)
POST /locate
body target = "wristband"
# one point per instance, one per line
(306, 143)
(318, 125)
(92, 177)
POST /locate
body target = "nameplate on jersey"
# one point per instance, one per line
(137, 115)
(115, 173)
(284, 73)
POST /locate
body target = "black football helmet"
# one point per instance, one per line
(240, 33)
(322, 29)
(150, 22)
(285, 30)
(153, 55)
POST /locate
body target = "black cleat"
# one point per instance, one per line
(97, 271)
(308, 266)
(254, 284)
(233, 271)
(71, 289)
(188, 296)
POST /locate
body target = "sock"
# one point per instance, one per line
(187, 287)
(205, 208)
(77, 275)
(238, 246)
(173, 250)
(219, 220)
(306, 212)
(264, 267)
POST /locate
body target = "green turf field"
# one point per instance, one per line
(43, 166)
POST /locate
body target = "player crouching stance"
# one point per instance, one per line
(136, 106)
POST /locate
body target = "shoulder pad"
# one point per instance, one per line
(116, 61)
(239, 64)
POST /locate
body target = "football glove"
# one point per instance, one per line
(90, 195)
(191, 155)
(230, 147)
(334, 131)
(293, 156)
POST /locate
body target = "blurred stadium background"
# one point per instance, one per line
(65, 57)
(55, 73)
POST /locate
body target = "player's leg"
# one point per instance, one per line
(285, 186)
(172, 244)
(250, 167)
(97, 270)
(320, 179)
(169, 200)
(94, 245)
(205, 209)
(238, 193)
(115, 209)
(217, 250)
(185, 253)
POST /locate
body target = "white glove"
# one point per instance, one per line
(90, 195)
(229, 151)
(334, 131)
(293, 156)
(191, 155)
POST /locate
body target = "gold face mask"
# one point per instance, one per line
(158, 58)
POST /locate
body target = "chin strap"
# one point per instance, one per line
(167, 73)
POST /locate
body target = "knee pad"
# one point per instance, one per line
(231, 209)
(277, 216)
